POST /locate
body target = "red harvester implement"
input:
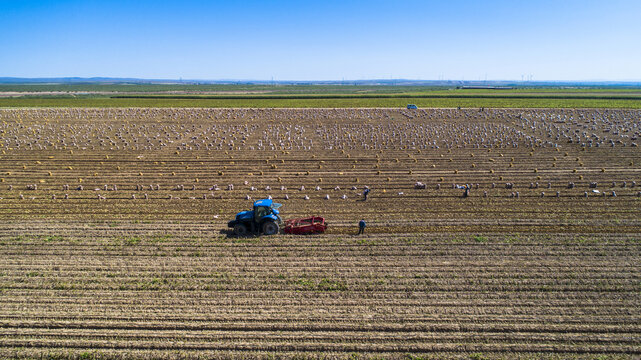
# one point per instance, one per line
(309, 225)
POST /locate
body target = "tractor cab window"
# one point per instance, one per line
(261, 211)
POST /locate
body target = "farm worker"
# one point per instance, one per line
(361, 226)
(466, 189)
(365, 193)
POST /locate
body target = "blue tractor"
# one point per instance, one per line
(263, 219)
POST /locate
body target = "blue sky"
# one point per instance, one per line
(323, 40)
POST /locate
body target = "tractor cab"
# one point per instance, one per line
(264, 208)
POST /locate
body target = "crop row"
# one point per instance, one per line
(381, 294)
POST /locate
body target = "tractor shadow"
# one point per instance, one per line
(229, 234)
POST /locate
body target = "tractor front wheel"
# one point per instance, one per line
(270, 228)
(240, 230)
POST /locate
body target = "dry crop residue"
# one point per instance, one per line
(113, 242)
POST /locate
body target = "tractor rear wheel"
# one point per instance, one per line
(240, 230)
(270, 228)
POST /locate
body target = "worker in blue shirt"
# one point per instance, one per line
(365, 193)
(361, 226)
(466, 189)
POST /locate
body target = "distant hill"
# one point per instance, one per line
(76, 80)
(383, 82)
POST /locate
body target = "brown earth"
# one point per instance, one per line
(504, 273)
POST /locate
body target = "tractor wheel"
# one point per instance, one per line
(240, 230)
(270, 228)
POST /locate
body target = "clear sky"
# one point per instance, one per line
(323, 40)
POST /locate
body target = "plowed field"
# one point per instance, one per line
(114, 242)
